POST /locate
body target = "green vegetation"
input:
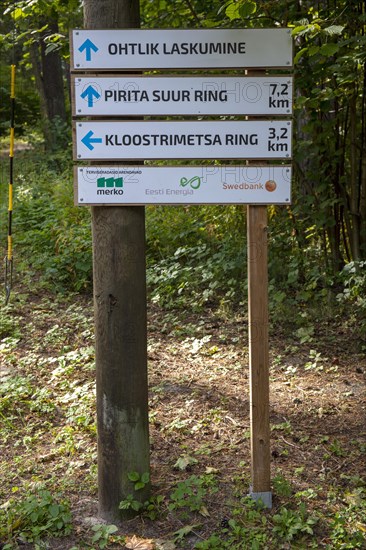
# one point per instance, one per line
(196, 256)
(34, 518)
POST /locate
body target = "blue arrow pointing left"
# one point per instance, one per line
(88, 140)
(90, 93)
(88, 46)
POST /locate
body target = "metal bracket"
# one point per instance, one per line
(265, 497)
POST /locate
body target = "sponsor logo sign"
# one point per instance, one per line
(183, 185)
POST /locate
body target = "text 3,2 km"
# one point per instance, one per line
(278, 139)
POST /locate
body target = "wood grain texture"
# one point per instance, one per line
(111, 14)
(258, 347)
(120, 321)
(121, 354)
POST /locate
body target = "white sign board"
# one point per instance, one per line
(269, 139)
(180, 49)
(134, 185)
(124, 96)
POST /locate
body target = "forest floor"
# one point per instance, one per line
(199, 430)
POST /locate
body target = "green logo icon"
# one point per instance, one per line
(109, 182)
(194, 182)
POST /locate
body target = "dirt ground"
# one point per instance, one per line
(199, 415)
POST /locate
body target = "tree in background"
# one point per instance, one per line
(330, 135)
(38, 32)
(329, 211)
(331, 77)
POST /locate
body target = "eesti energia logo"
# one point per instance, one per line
(194, 182)
(110, 186)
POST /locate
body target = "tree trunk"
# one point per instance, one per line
(363, 171)
(111, 14)
(37, 71)
(47, 69)
(120, 322)
(53, 82)
(354, 183)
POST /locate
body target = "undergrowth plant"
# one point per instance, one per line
(131, 502)
(102, 534)
(253, 527)
(289, 524)
(52, 238)
(190, 495)
(34, 518)
(9, 323)
(196, 255)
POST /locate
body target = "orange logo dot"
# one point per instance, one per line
(270, 185)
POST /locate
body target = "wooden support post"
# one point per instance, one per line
(120, 322)
(258, 354)
(121, 353)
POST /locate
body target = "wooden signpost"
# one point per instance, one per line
(116, 95)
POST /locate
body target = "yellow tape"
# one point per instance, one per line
(10, 248)
(11, 153)
(12, 82)
(10, 208)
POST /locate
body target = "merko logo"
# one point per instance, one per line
(110, 186)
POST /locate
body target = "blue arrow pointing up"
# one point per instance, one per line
(88, 46)
(90, 93)
(88, 140)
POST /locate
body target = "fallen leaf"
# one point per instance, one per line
(184, 462)
(134, 543)
(210, 470)
(204, 512)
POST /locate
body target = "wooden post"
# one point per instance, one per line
(258, 354)
(120, 322)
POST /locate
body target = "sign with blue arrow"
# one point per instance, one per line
(90, 94)
(118, 49)
(119, 140)
(88, 140)
(183, 95)
(88, 47)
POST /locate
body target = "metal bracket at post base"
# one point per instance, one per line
(265, 497)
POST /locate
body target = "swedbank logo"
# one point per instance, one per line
(270, 186)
